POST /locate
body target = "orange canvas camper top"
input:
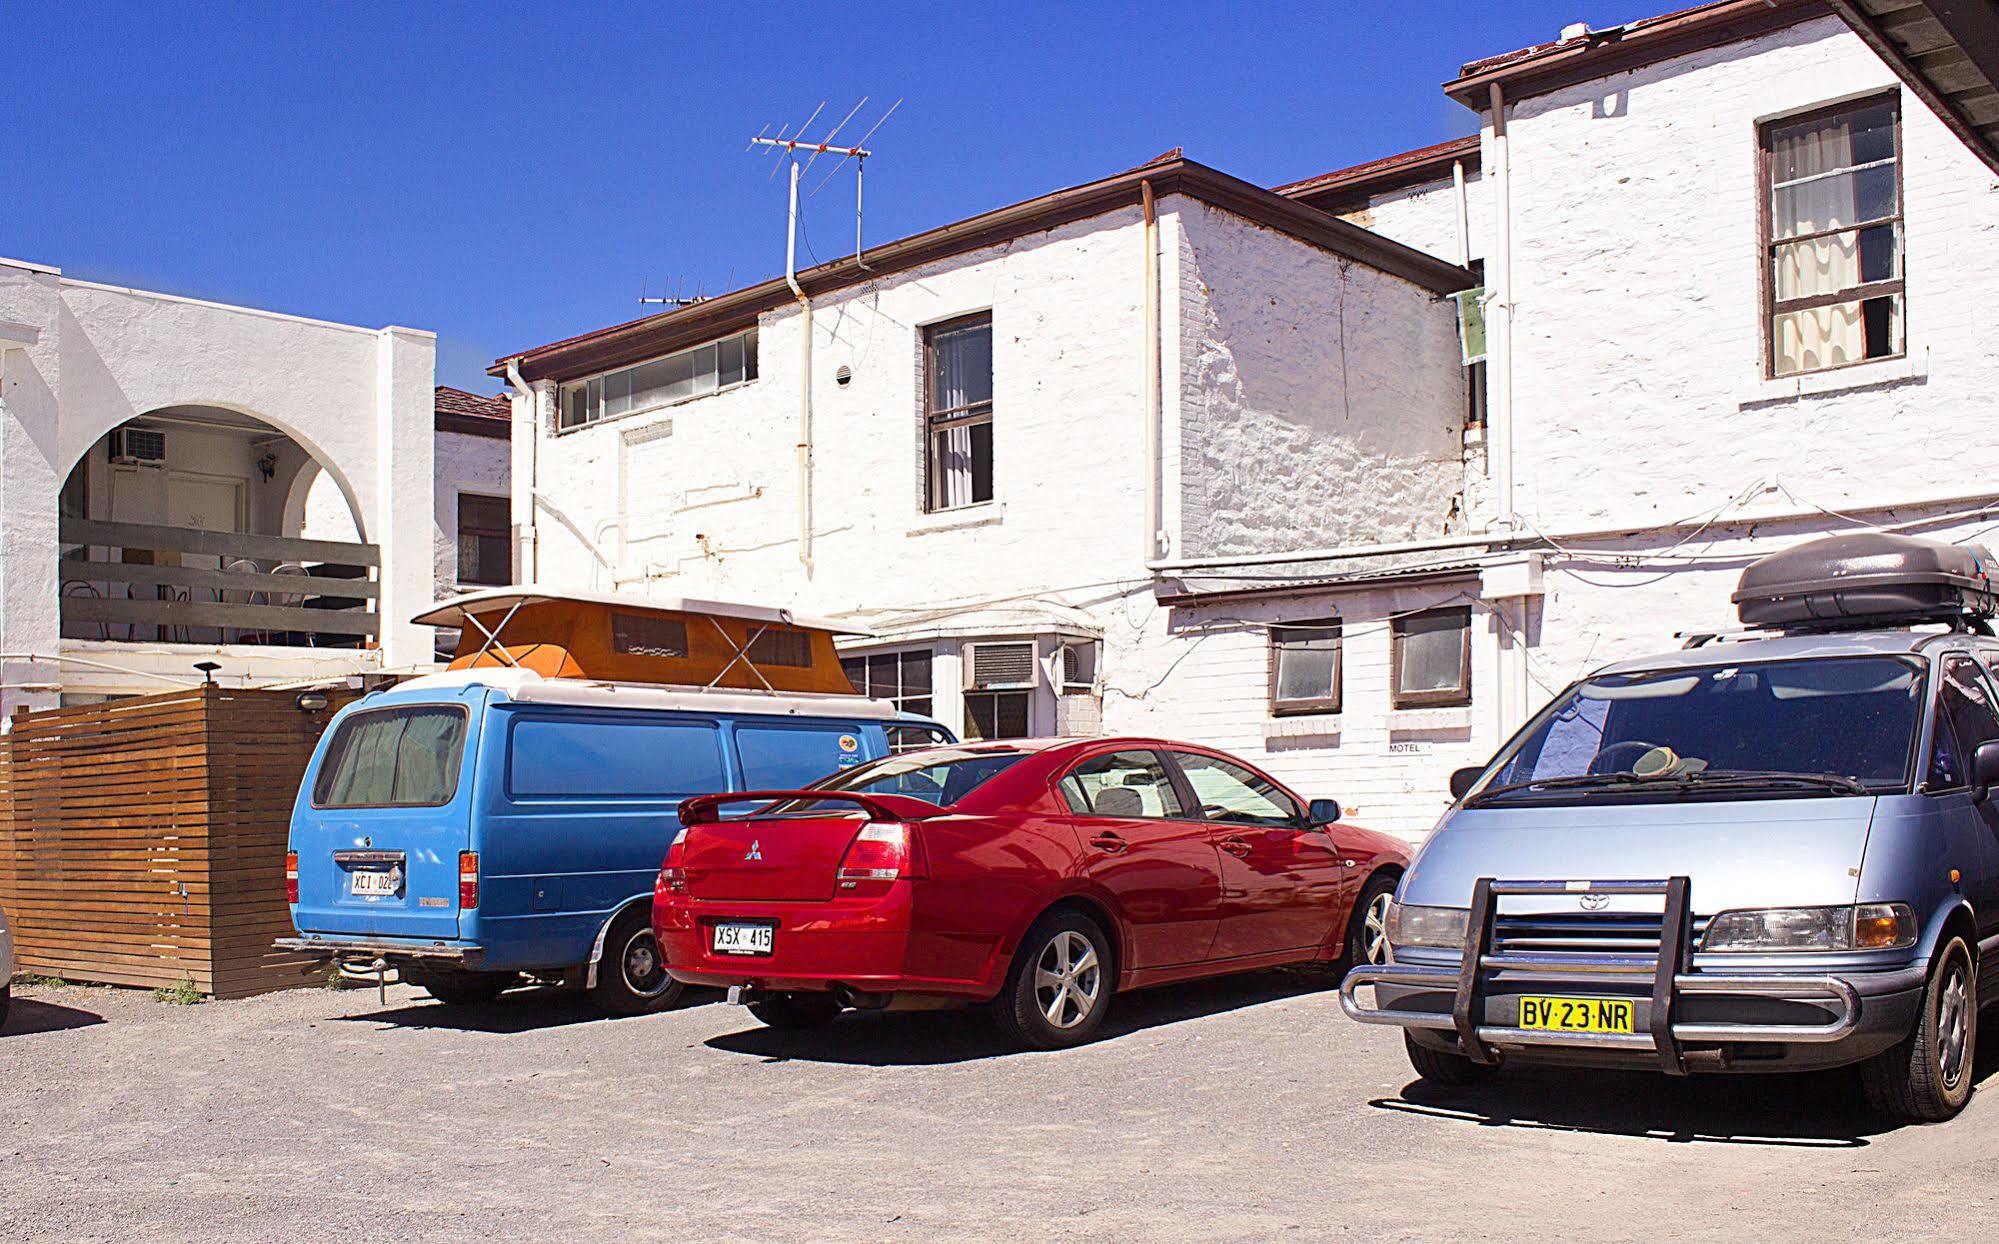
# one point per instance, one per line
(607, 638)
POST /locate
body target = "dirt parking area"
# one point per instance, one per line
(1245, 1109)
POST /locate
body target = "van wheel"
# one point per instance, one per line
(1443, 1068)
(459, 988)
(1060, 984)
(631, 977)
(1927, 1078)
(795, 1012)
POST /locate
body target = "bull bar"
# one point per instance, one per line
(1669, 974)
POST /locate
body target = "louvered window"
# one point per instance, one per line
(1001, 665)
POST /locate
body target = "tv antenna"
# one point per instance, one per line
(669, 300)
(789, 143)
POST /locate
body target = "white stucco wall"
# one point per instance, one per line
(357, 398)
(1426, 216)
(1638, 384)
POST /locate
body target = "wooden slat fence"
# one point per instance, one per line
(142, 841)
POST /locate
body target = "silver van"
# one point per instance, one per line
(1772, 850)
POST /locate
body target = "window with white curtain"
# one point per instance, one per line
(1833, 289)
(958, 412)
(688, 373)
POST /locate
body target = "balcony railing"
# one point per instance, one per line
(128, 581)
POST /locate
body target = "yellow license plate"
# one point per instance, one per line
(1576, 1014)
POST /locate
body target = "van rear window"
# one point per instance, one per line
(393, 758)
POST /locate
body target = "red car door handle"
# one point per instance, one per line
(1238, 847)
(1109, 842)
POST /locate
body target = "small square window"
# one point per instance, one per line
(1305, 668)
(1430, 654)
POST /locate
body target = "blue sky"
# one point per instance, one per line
(508, 175)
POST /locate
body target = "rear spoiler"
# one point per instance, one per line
(707, 809)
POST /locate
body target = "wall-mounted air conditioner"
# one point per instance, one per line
(1000, 666)
(1079, 665)
(138, 446)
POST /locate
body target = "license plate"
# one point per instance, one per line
(1613, 1015)
(373, 882)
(734, 938)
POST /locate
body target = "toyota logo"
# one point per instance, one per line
(1595, 902)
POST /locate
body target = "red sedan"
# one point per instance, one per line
(1040, 877)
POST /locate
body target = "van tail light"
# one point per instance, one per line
(879, 856)
(468, 880)
(673, 873)
(291, 877)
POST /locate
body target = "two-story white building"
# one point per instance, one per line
(993, 427)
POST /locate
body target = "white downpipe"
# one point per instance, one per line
(804, 382)
(1154, 432)
(1502, 345)
(530, 568)
(1464, 213)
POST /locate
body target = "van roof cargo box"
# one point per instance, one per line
(1867, 579)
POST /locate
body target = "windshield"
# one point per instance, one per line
(940, 775)
(1824, 726)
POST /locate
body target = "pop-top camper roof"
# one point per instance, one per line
(675, 641)
(1867, 579)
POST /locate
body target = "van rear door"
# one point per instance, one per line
(384, 815)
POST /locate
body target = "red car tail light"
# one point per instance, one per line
(673, 873)
(291, 877)
(879, 856)
(468, 880)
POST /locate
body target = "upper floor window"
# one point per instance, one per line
(958, 412)
(1832, 237)
(688, 373)
(1430, 653)
(485, 539)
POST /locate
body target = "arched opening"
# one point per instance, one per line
(202, 525)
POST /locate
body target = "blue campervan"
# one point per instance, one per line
(474, 828)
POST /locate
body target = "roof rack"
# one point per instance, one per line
(1868, 581)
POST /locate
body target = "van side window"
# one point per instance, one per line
(613, 760)
(1965, 718)
(788, 757)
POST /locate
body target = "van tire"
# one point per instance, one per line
(1445, 1069)
(631, 976)
(795, 1012)
(1019, 1010)
(1926, 1078)
(457, 987)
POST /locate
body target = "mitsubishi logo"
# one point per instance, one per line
(1595, 902)
(755, 852)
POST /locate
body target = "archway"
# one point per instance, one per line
(180, 523)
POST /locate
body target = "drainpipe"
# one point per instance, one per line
(531, 529)
(1501, 347)
(1154, 432)
(804, 382)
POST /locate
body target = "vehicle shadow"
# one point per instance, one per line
(963, 1034)
(532, 1009)
(26, 1015)
(1818, 1110)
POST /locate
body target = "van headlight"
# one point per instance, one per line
(1442, 927)
(1870, 926)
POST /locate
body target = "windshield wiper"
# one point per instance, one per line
(1576, 781)
(1771, 777)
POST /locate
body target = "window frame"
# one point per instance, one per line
(1768, 244)
(748, 336)
(933, 422)
(1311, 705)
(904, 657)
(1448, 697)
(504, 533)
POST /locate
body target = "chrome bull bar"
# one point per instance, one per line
(1668, 974)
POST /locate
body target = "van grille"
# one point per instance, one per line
(1610, 933)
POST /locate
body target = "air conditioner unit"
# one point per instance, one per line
(133, 446)
(1079, 665)
(1000, 666)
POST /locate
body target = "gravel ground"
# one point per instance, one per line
(1244, 1109)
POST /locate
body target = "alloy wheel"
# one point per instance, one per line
(1953, 1028)
(1374, 928)
(1067, 979)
